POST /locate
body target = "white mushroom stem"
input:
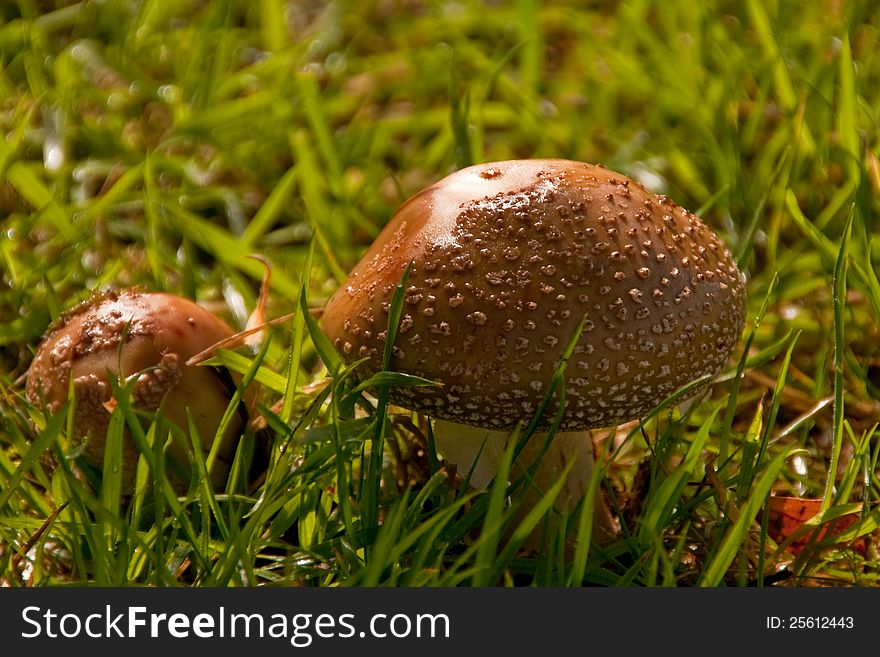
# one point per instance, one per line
(478, 452)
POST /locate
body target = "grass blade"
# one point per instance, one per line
(737, 534)
(838, 301)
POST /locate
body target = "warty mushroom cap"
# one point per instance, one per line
(133, 332)
(507, 258)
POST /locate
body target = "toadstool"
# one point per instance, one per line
(148, 335)
(507, 259)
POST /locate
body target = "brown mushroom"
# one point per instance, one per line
(148, 335)
(507, 259)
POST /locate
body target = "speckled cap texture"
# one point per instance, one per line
(508, 258)
(130, 332)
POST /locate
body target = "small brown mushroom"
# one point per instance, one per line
(148, 335)
(507, 259)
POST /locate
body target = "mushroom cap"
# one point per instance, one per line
(130, 332)
(507, 259)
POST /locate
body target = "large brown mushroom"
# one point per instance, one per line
(507, 259)
(148, 335)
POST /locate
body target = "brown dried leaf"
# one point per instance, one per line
(788, 516)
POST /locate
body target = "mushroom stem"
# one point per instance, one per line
(478, 452)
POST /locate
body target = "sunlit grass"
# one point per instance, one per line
(162, 144)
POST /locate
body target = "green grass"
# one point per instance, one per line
(162, 144)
